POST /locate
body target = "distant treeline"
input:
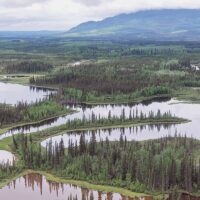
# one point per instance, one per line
(107, 78)
(29, 67)
(151, 51)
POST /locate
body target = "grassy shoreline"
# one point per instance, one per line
(128, 101)
(84, 184)
(49, 176)
(59, 130)
(105, 102)
(186, 94)
(55, 131)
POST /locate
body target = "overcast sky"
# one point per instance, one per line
(64, 14)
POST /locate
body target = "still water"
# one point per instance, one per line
(180, 109)
(6, 158)
(177, 108)
(14, 93)
(36, 187)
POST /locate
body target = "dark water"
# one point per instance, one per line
(36, 187)
(13, 93)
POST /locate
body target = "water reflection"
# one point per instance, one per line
(35, 186)
(180, 109)
(183, 196)
(6, 158)
(14, 93)
(131, 133)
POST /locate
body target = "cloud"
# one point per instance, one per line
(64, 14)
(19, 3)
(90, 2)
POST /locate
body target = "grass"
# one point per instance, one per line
(85, 184)
(126, 100)
(188, 94)
(22, 79)
(5, 144)
(4, 130)
(6, 181)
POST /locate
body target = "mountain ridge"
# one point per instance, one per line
(149, 24)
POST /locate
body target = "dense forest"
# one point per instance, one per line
(116, 72)
(161, 164)
(127, 79)
(29, 67)
(104, 78)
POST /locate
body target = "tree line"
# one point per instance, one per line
(23, 112)
(107, 78)
(29, 67)
(161, 164)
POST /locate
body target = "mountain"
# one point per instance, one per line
(169, 24)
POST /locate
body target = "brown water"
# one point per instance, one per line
(36, 187)
(183, 196)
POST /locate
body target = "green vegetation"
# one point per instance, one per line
(125, 70)
(19, 78)
(116, 81)
(117, 73)
(34, 153)
(189, 94)
(96, 123)
(43, 110)
(28, 67)
(23, 113)
(83, 184)
(150, 166)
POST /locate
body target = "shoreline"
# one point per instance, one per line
(79, 183)
(4, 129)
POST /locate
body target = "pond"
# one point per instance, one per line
(35, 186)
(14, 93)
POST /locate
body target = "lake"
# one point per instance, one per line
(14, 93)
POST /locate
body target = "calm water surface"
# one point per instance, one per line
(180, 109)
(6, 157)
(14, 93)
(36, 187)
